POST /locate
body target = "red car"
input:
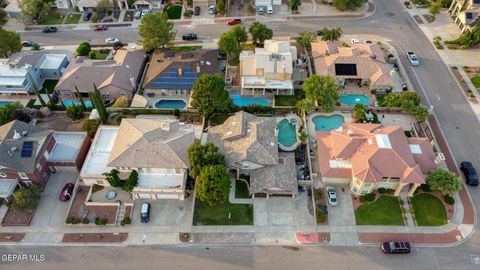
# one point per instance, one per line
(234, 21)
(66, 192)
(101, 28)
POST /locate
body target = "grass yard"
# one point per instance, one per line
(53, 18)
(429, 210)
(73, 18)
(185, 48)
(476, 81)
(384, 211)
(174, 12)
(241, 190)
(284, 100)
(48, 86)
(240, 214)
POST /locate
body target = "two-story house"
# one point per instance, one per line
(465, 13)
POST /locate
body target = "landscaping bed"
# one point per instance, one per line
(320, 203)
(464, 85)
(174, 12)
(11, 237)
(185, 48)
(94, 237)
(385, 210)
(17, 218)
(291, 101)
(241, 188)
(240, 214)
(429, 210)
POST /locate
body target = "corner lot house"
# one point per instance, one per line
(174, 73)
(156, 148)
(29, 154)
(465, 13)
(361, 64)
(371, 156)
(113, 78)
(250, 146)
(25, 70)
(268, 69)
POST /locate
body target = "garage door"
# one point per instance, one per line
(335, 181)
(144, 195)
(166, 196)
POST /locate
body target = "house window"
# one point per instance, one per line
(364, 192)
(244, 165)
(358, 182)
(46, 155)
(355, 189)
(23, 175)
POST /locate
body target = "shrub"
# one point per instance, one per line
(85, 220)
(101, 221)
(406, 3)
(449, 200)
(321, 217)
(25, 198)
(412, 211)
(126, 221)
(75, 111)
(84, 49)
(382, 190)
(370, 197)
(176, 112)
(402, 202)
(373, 91)
(188, 13)
(72, 220)
(426, 188)
(91, 126)
(96, 188)
(404, 210)
(92, 55)
(121, 102)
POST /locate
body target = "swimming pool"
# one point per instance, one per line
(287, 134)
(68, 102)
(3, 103)
(352, 99)
(171, 104)
(327, 122)
(247, 101)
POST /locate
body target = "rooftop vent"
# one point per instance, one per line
(14, 148)
(24, 133)
(16, 135)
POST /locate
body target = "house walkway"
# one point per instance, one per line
(231, 195)
(406, 206)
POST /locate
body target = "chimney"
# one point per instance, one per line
(198, 67)
(132, 81)
(179, 71)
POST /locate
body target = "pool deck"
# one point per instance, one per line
(152, 100)
(289, 117)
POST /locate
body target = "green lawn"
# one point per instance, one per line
(73, 18)
(284, 100)
(384, 211)
(476, 81)
(53, 18)
(49, 85)
(174, 12)
(241, 214)
(429, 210)
(185, 48)
(241, 190)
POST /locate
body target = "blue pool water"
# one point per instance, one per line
(287, 134)
(352, 99)
(246, 101)
(67, 102)
(3, 103)
(170, 104)
(327, 123)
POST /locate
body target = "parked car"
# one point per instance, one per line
(413, 59)
(144, 12)
(332, 195)
(87, 15)
(395, 67)
(471, 177)
(196, 11)
(50, 29)
(137, 14)
(367, 41)
(211, 9)
(117, 45)
(354, 40)
(261, 10)
(222, 55)
(112, 40)
(189, 36)
(319, 32)
(234, 21)
(269, 9)
(101, 28)
(396, 247)
(66, 192)
(145, 213)
(27, 43)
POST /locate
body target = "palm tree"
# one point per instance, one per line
(332, 34)
(304, 106)
(303, 137)
(359, 113)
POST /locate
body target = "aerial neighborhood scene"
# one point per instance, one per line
(252, 134)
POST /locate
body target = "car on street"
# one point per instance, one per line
(66, 192)
(396, 247)
(261, 10)
(87, 15)
(354, 40)
(112, 40)
(196, 11)
(49, 29)
(367, 41)
(471, 177)
(145, 213)
(413, 59)
(27, 43)
(101, 28)
(269, 9)
(331, 195)
(189, 36)
(395, 67)
(211, 9)
(234, 21)
(117, 45)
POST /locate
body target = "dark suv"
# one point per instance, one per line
(396, 247)
(87, 15)
(190, 36)
(50, 29)
(468, 170)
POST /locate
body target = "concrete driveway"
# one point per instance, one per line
(51, 212)
(277, 211)
(342, 218)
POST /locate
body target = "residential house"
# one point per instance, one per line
(25, 70)
(250, 146)
(174, 73)
(113, 78)
(372, 156)
(204, 4)
(29, 154)
(156, 148)
(259, 3)
(362, 64)
(269, 68)
(84, 5)
(146, 4)
(465, 13)
(63, 4)
(13, 10)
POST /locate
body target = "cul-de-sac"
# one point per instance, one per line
(239, 134)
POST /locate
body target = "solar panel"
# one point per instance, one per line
(346, 69)
(27, 149)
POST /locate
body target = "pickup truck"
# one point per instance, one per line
(413, 59)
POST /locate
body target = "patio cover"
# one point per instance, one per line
(7, 186)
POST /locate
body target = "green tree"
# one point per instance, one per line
(359, 113)
(8, 112)
(121, 102)
(156, 31)
(209, 95)
(98, 104)
(348, 4)
(3, 15)
(332, 34)
(303, 136)
(35, 47)
(409, 95)
(468, 38)
(91, 126)
(392, 100)
(322, 90)
(294, 4)
(240, 34)
(304, 107)
(201, 155)
(113, 178)
(131, 182)
(75, 111)
(9, 42)
(212, 185)
(79, 96)
(228, 43)
(26, 198)
(306, 38)
(444, 181)
(421, 113)
(84, 49)
(221, 8)
(311, 87)
(34, 11)
(260, 32)
(104, 6)
(92, 55)
(435, 8)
